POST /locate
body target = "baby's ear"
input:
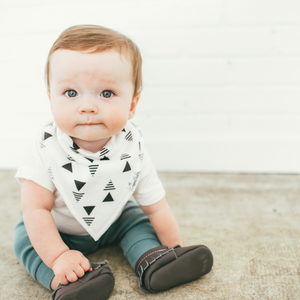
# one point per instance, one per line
(134, 103)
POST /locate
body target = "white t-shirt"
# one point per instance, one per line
(54, 161)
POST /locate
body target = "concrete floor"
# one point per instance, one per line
(250, 222)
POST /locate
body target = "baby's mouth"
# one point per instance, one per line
(91, 123)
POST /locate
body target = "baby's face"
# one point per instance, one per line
(91, 95)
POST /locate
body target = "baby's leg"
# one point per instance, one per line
(97, 284)
(140, 235)
(158, 267)
(133, 231)
(28, 257)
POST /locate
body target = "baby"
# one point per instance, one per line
(84, 166)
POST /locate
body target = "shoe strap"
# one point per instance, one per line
(60, 286)
(96, 266)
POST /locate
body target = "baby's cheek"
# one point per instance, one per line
(62, 120)
(117, 121)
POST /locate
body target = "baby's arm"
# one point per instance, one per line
(37, 202)
(164, 223)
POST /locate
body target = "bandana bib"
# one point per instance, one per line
(94, 186)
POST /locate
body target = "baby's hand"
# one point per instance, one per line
(70, 266)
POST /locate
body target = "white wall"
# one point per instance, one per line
(221, 77)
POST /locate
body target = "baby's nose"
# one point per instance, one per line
(88, 106)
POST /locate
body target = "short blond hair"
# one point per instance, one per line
(94, 38)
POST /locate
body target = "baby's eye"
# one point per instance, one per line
(107, 94)
(70, 93)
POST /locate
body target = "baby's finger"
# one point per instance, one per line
(72, 277)
(86, 265)
(79, 271)
(62, 280)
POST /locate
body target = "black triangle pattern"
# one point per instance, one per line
(103, 152)
(89, 209)
(74, 150)
(110, 186)
(79, 184)
(108, 198)
(71, 158)
(91, 160)
(68, 167)
(77, 196)
(104, 158)
(124, 156)
(93, 169)
(47, 135)
(127, 167)
(129, 136)
(88, 220)
(75, 147)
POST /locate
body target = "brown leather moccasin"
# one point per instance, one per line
(161, 268)
(94, 285)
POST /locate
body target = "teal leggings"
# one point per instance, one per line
(132, 231)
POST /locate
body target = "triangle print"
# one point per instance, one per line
(110, 186)
(88, 220)
(103, 152)
(91, 160)
(89, 209)
(47, 135)
(108, 198)
(93, 169)
(70, 158)
(79, 184)
(127, 167)
(75, 147)
(123, 130)
(78, 196)
(129, 137)
(104, 158)
(124, 156)
(68, 167)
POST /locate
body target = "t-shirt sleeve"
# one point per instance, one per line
(149, 189)
(33, 168)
